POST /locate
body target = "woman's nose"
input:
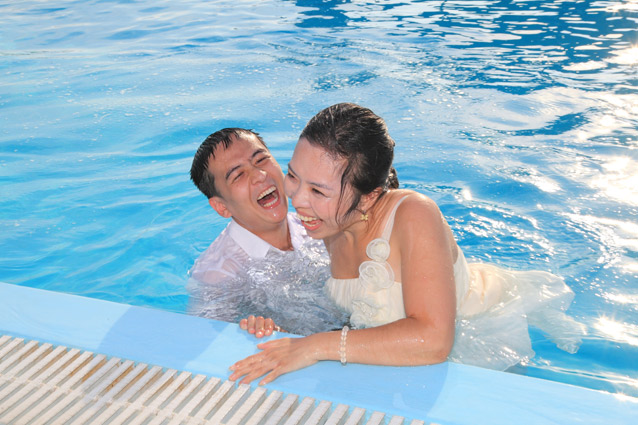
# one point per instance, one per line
(299, 199)
(293, 193)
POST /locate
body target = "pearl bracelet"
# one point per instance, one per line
(342, 345)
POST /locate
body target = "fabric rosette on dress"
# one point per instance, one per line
(379, 250)
(375, 278)
(374, 298)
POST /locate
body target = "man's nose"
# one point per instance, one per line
(257, 175)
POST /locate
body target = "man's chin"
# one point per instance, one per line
(275, 214)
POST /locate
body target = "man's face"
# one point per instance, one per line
(250, 184)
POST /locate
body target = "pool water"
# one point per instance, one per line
(518, 117)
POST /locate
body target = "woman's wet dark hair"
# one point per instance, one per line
(350, 131)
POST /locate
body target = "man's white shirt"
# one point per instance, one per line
(241, 274)
(229, 254)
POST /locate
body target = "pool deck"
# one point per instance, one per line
(448, 393)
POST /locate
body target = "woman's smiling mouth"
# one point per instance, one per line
(310, 223)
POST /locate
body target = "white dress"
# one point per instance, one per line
(494, 306)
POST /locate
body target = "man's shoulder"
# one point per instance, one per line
(223, 259)
(223, 237)
(218, 247)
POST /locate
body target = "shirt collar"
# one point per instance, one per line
(255, 246)
(297, 232)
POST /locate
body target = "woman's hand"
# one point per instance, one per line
(278, 357)
(259, 326)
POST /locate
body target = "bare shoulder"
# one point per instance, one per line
(416, 205)
(419, 217)
(419, 223)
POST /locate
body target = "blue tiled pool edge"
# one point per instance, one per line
(448, 393)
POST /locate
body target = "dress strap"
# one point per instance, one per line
(390, 223)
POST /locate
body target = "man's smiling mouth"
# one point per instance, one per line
(268, 197)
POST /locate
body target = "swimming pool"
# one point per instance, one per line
(518, 118)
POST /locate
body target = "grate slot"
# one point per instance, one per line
(43, 384)
(337, 414)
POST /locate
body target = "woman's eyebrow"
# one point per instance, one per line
(321, 185)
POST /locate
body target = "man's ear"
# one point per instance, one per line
(219, 205)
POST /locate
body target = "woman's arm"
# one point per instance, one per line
(422, 256)
(425, 258)
(428, 253)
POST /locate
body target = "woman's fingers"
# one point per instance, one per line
(249, 369)
(278, 357)
(254, 366)
(270, 377)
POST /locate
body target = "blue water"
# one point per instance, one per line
(518, 117)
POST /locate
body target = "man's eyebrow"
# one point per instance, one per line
(231, 171)
(321, 185)
(257, 152)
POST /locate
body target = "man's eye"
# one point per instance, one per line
(261, 159)
(237, 176)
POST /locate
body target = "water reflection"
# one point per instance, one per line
(518, 117)
(619, 180)
(617, 240)
(509, 45)
(627, 299)
(624, 333)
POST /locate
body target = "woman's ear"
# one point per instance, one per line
(219, 205)
(368, 200)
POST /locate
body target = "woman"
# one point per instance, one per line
(396, 267)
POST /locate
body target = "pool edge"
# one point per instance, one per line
(448, 393)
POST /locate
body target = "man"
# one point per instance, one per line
(263, 263)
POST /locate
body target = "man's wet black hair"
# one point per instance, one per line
(200, 174)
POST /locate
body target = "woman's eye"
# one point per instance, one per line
(318, 192)
(237, 176)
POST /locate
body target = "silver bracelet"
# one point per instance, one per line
(342, 345)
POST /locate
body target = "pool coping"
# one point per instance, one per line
(448, 393)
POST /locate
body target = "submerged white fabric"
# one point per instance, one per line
(494, 306)
(230, 252)
(240, 274)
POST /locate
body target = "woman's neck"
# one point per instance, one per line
(365, 224)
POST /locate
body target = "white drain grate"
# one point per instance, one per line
(45, 384)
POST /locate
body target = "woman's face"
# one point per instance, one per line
(313, 183)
